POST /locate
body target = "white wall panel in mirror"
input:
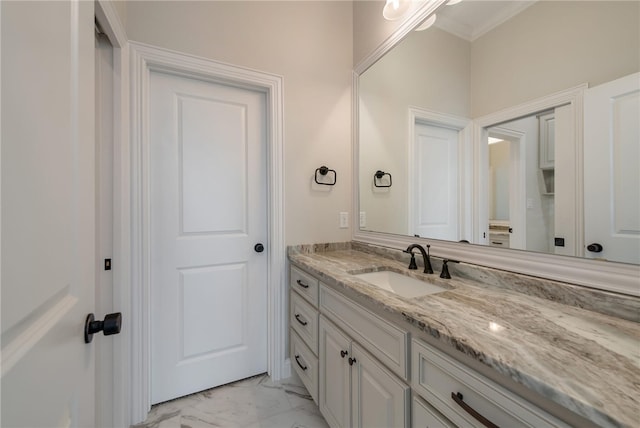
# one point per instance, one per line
(482, 58)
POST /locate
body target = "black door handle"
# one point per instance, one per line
(259, 247)
(594, 248)
(111, 325)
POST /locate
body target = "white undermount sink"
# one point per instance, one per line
(399, 284)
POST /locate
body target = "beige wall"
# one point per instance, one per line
(435, 76)
(306, 42)
(551, 46)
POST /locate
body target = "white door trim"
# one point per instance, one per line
(144, 59)
(517, 185)
(122, 369)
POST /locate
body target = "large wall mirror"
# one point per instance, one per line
(511, 125)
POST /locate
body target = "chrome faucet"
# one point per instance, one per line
(425, 257)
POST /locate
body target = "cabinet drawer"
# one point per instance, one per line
(305, 364)
(304, 320)
(304, 284)
(381, 338)
(435, 376)
(424, 415)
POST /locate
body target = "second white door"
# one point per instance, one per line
(208, 190)
(436, 183)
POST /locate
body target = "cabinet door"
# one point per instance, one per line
(378, 397)
(335, 399)
(425, 416)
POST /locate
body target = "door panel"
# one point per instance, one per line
(335, 395)
(48, 213)
(612, 176)
(208, 209)
(437, 182)
(378, 397)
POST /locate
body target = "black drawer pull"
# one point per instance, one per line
(302, 284)
(496, 243)
(298, 361)
(344, 353)
(301, 322)
(459, 399)
(352, 361)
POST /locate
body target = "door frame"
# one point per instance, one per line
(572, 97)
(517, 185)
(110, 23)
(143, 60)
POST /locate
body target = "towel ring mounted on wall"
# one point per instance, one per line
(378, 177)
(323, 170)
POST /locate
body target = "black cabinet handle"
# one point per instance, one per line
(352, 361)
(459, 399)
(298, 361)
(344, 353)
(301, 322)
(302, 284)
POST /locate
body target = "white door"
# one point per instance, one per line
(208, 210)
(611, 172)
(436, 182)
(48, 213)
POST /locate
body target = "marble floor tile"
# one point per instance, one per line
(256, 402)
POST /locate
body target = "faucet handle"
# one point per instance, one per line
(412, 263)
(445, 270)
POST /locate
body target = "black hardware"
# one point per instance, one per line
(595, 248)
(107, 264)
(412, 263)
(298, 361)
(111, 325)
(425, 257)
(459, 399)
(301, 322)
(445, 270)
(558, 242)
(352, 361)
(258, 247)
(323, 170)
(302, 284)
(344, 353)
(511, 230)
(378, 176)
(496, 242)
(427, 262)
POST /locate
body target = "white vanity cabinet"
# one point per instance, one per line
(355, 389)
(303, 322)
(466, 397)
(363, 361)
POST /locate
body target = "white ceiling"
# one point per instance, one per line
(471, 19)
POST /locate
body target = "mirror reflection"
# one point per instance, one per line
(423, 112)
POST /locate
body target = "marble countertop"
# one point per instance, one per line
(585, 361)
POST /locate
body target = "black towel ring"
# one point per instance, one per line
(323, 170)
(378, 176)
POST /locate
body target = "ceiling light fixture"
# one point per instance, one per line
(394, 9)
(428, 23)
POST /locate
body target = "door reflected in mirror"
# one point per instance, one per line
(420, 106)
